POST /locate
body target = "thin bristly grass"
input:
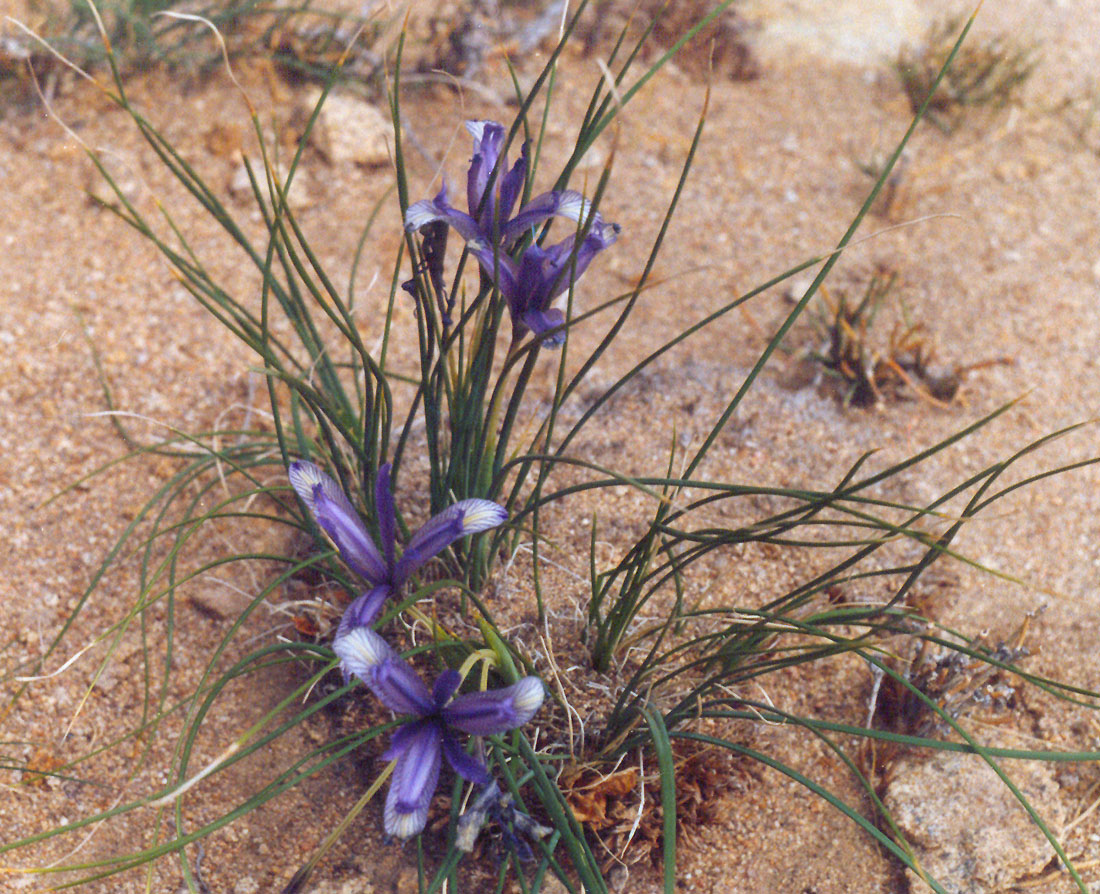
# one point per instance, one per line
(342, 404)
(143, 34)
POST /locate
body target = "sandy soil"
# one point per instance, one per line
(995, 238)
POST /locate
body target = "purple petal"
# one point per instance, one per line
(539, 321)
(539, 269)
(499, 267)
(561, 266)
(440, 531)
(446, 685)
(544, 274)
(398, 687)
(497, 710)
(424, 212)
(562, 203)
(364, 653)
(336, 517)
(363, 610)
(469, 768)
(387, 517)
(488, 138)
(511, 185)
(403, 736)
(414, 781)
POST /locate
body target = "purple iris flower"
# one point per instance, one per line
(435, 718)
(381, 568)
(530, 283)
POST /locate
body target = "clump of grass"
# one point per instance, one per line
(670, 692)
(985, 72)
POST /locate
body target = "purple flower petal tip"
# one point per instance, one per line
(304, 477)
(403, 823)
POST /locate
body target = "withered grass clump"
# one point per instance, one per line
(985, 72)
(958, 683)
(722, 48)
(865, 375)
(925, 689)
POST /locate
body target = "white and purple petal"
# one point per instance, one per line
(440, 531)
(335, 515)
(496, 710)
(360, 651)
(414, 780)
(424, 212)
(559, 203)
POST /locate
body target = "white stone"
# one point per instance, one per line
(967, 829)
(351, 129)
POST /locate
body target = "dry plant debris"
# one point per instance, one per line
(958, 684)
(867, 376)
(723, 47)
(622, 809)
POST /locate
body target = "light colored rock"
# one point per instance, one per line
(552, 885)
(408, 882)
(967, 829)
(848, 30)
(220, 601)
(299, 198)
(350, 129)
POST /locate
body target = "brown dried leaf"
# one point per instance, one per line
(589, 794)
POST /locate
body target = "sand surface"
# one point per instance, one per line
(995, 237)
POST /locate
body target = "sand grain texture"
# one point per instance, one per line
(996, 238)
